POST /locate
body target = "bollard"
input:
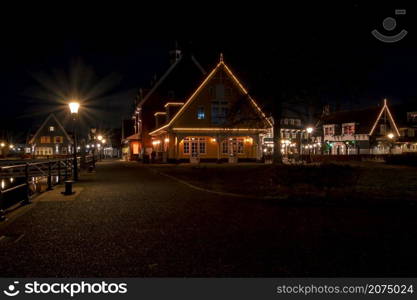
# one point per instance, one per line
(59, 172)
(49, 177)
(68, 188)
(27, 194)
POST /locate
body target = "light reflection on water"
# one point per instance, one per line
(35, 184)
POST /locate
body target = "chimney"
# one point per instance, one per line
(175, 54)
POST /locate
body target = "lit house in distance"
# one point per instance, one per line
(219, 121)
(51, 139)
(374, 130)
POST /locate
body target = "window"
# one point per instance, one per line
(412, 117)
(329, 130)
(51, 128)
(348, 129)
(45, 139)
(58, 140)
(186, 146)
(411, 132)
(200, 113)
(291, 121)
(236, 145)
(219, 111)
(225, 147)
(202, 145)
(194, 145)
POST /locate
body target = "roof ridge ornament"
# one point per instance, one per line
(221, 56)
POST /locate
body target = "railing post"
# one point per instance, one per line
(2, 215)
(27, 196)
(49, 176)
(59, 172)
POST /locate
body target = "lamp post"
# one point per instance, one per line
(74, 106)
(390, 137)
(309, 131)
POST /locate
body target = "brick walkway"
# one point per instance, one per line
(128, 221)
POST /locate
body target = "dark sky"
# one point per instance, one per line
(108, 52)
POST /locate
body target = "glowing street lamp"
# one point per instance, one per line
(309, 129)
(100, 137)
(2, 145)
(390, 136)
(74, 106)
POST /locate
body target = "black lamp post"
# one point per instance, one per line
(74, 106)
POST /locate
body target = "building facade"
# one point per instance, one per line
(173, 86)
(375, 130)
(219, 121)
(51, 139)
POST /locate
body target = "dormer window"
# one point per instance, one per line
(329, 130)
(348, 128)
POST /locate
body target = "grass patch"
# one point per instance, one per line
(341, 181)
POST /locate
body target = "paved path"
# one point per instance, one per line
(128, 221)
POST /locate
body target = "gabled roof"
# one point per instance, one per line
(51, 116)
(366, 119)
(220, 65)
(175, 66)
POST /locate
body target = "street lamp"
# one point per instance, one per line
(74, 106)
(309, 129)
(390, 136)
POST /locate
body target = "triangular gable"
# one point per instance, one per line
(51, 116)
(391, 119)
(210, 76)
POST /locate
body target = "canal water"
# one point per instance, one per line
(36, 185)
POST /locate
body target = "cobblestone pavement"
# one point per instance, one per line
(127, 220)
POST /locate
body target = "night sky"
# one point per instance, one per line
(104, 54)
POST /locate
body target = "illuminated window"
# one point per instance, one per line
(202, 145)
(348, 129)
(329, 130)
(186, 146)
(194, 145)
(225, 147)
(45, 139)
(200, 113)
(58, 140)
(51, 128)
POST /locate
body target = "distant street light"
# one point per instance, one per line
(390, 136)
(2, 145)
(74, 106)
(309, 129)
(100, 137)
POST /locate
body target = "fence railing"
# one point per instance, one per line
(26, 172)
